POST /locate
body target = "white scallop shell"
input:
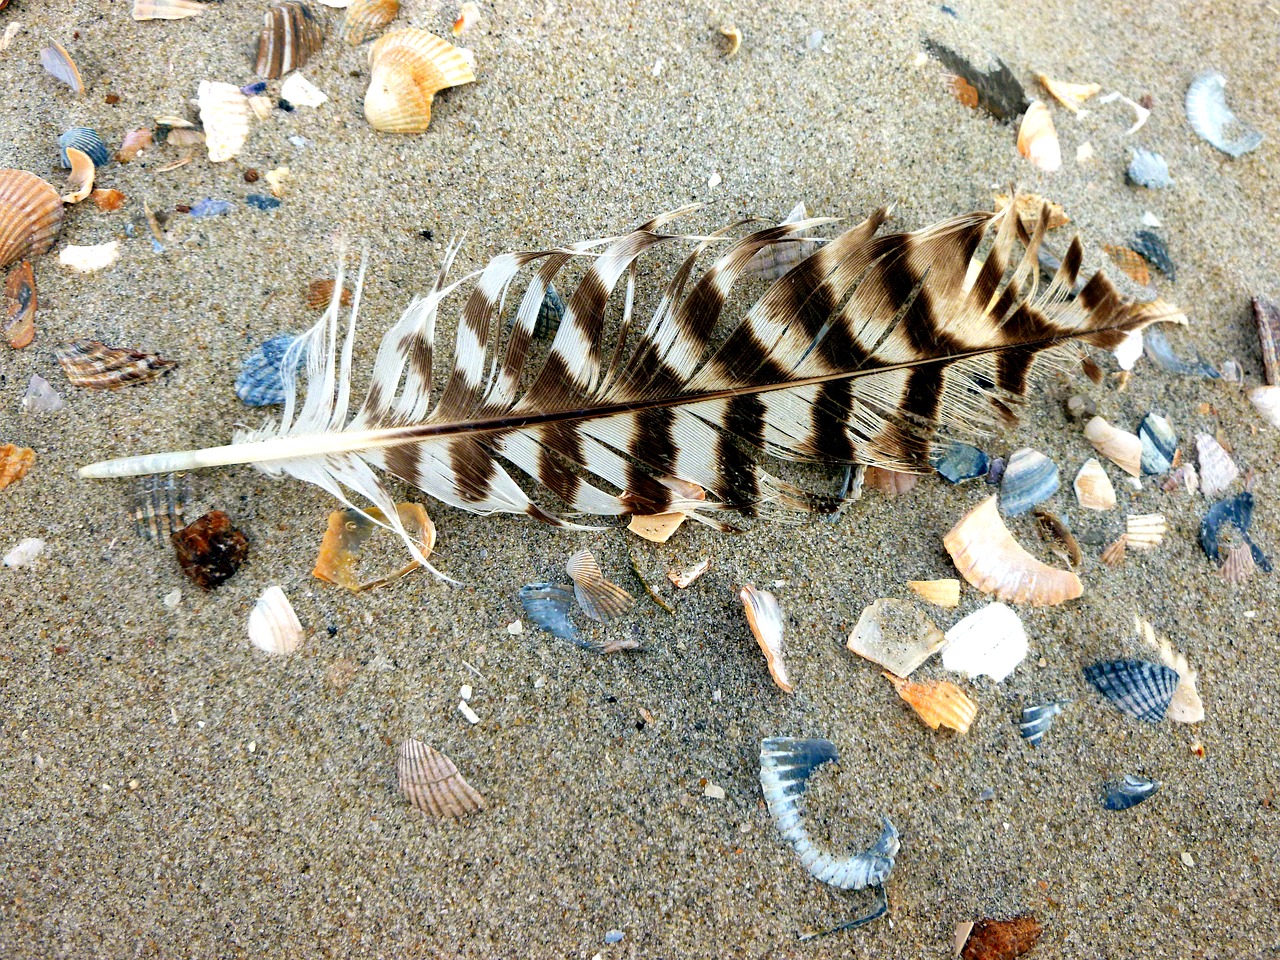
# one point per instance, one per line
(1145, 531)
(224, 112)
(1217, 470)
(273, 626)
(988, 642)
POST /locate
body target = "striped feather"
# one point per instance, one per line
(866, 351)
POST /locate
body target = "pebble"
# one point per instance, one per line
(260, 202)
(464, 708)
(25, 553)
(613, 936)
(714, 791)
(1080, 407)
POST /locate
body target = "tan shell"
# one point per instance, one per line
(683, 579)
(1217, 470)
(1038, 140)
(346, 535)
(1070, 95)
(80, 182)
(87, 259)
(937, 703)
(166, 9)
(600, 599)
(291, 35)
(656, 527)
(430, 781)
(1028, 207)
(1186, 705)
(407, 68)
(224, 112)
(1093, 487)
(986, 555)
(733, 39)
(941, 593)
(1121, 448)
(1113, 556)
(1145, 531)
(89, 363)
(1130, 262)
(320, 294)
(273, 626)
(30, 216)
(764, 616)
(895, 635)
(366, 17)
(891, 483)
(20, 306)
(1266, 400)
(1239, 565)
(15, 461)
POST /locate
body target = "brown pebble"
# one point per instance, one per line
(1080, 407)
(112, 99)
(210, 550)
(182, 208)
(1001, 939)
(251, 175)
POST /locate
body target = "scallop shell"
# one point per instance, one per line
(937, 703)
(1145, 531)
(80, 182)
(135, 141)
(1217, 470)
(1239, 565)
(1226, 517)
(366, 17)
(210, 549)
(88, 259)
(89, 363)
(1159, 444)
(273, 626)
(958, 462)
(158, 505)
(989, 642)
(988, 557)
(764, 616)
(1266, 315)
(1113, 556)
(1038, 140)
(548, 606)
(1029, 206)
(1130, 262)
(1070, 95)
(1139, 689)
(15, 461)
(1121, 448)
(1152, 249)
(1212, 119)
(166, 9)
(260, 383)
(892, 483)
(20, 306)
(1186, 705)
(1149, 170)
(59, 65)
(30, 216)
(1266, 400)
(291, 35)
(224, 112)
(87, 140)
(346, 535)
(407, 68)
(600, 599)
(320, 295)
(1093, 487)
(1129, 792)
(895, 635)
(683, 579)
(1030, 478)
(941, 593)
(772, 261)
(999, 939)
(1034, 721)
(430, 781)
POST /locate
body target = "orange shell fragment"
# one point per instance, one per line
(15, 461)
(107, 200)
(1131, 262)
(937, 703)
(349, 529)
(20, 306)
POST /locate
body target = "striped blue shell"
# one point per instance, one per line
(1030, 478)
(1159, 444)
(87, 140)
(1139, 689)
(259, 383)
(1129, 792)
(786, 763)
(1036, 720)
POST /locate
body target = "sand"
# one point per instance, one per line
(169, 791)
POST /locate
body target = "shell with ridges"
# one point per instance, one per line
(1038, 140)
(30, 216)
(431, 782)
(1093, 487)
(599, 598)
(548, 606)
(1186, 705)
(1120, 447)
(158, 504)
(260, 383)
(15, 461)
(937, 703)
(89, 363)
(224, 112)
(291, 35)
(1159, 444)
(941, 593)
(1034, 721)
(87, 140)
(1210, 117)
(20, 306)
(366, 17)
(1145, 531)
(764, 616)
(895, 635)
(273, 626)
(166, 9)
(1139, 689)
(1030, 478)
(407, 68)
(1217, 470)
(1149, 170)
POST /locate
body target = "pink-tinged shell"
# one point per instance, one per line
(15, 461)
(135, 141)
(938, 703)
(20, 306)
(30, 216)
(366, 17)
(274, 628)
(599, 598)
(1217, 470)
(1120, 447)
(764, 616)
(430, 781)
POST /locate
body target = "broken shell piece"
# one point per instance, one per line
(30, 216)
(1038, 140)
(892, 483)
(346, 535)
(15, 461)
(1239, 565)
(1229, 520)
(683, 579)
(1055, 531)
(107, 200)
(1212, 119)
(941, 593)
(1129, 792)
(990, 641)
(224, 112)
(210, 549)
(1127, 352)
(1186, 705)
(895, 635)
(600, 599)
(1070, 95)
(273, 626)
(366, 17)
(59, 65)
(1093, 487)
(277, 178)
(166, 9)
(1149, 170)
(85, 139)
(1030, 478)
(937, 703)
(1000, 939)
(301, 92)
(958, 462)
(261, 382)
(430, 781)
(1145, 531)
(25, 553)
(1113, 556)
(1141, 113)
(1266, 400)
(1266, 316)
(1138, 689)
(1160, 352)
(1121, 448)
(88, 259)
(733, 39)
(1152, 249)
(996, 91)
(986, 554)
(657, 527)
(291, 35)
(548, 606)
(764, 616)
(158, 506)
(261, 106)
(1130, 262)
(1029, 207)
(320, 294)
(20, 306)
(42, 398)
(1034, 721)
(1217, 470)
(88, 363)
(80, 182)
(407, 68)
(1159, 444)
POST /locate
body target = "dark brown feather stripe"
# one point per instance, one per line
(654, 447)
(736, 455)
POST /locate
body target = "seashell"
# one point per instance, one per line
(1266, 400)
(1029, 207)
(209, 549)
(1145, 531)
(1079, 407)
(891, 483)
(937, 703)
(346, 535)
(1212, 119)
(11, 31)
(88, 259)
(1113, 556)
(158, 505)
(15, 461)
(764, 616)
(1084, 153)
(1127, 353)
(107, 200)
(88, 363)
(1239, 565)
(260, 383)
(30, 216)
(1159, 444)
(1093, 487)
(1130, 262)
(1266, 315)
(86, 140)
(1121, 448)
(407, 68)
(1184, 475)
(468, 16)
(958, 462)
(1139, 689)
(1152, 249)
(1186, 705)
(1038, 140)
(941, 593)
(20, 306)
(261, 106)
(41, 397)
(25, 553)
(733, 39)
(988, 557)
(656, 527)
(1035, 720)
(291, 35)
(273, 626)
(1149, 170)
(166, 9)
(683, 579)
(1232, 373)
(547, 605)
(1141, 113)
(430, 781)
(183, 138)
(1030, 478)
(259, 202)
(1070, 95)
(1160, 352)
(224, 113)
(366, 17)
(995, 472)
(209, 207)
(59, 65)
(1129, 792)
(600, 599)
(1000, 939)
(1055, 531)
(1217, 469)
(895, 635)
(301, 92)
(1227, 519)
(989, 642)
(80, 182)
(772, 261)
(320, 295)
(549, 314)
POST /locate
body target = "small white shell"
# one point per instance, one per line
(224, 112)
(1145, 531)
(273, 626)
(1217, 470)
(301, 92)
(1209, 116)
(765, 619)
(1266, 400)
(1038, 140)
(1121, 448)
(89, 259)
(990, 641)
(684, 578)
(25, 553)
(1093, 487)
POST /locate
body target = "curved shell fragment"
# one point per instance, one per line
(1070, 95)
(1120, 447)
(764, 616)
(1093, 487)
(88, 259)
(347, 533)
(80, 182)
(273, 626)
(20, 306)
(431, 782)
(1212, 119)
(1038, 140)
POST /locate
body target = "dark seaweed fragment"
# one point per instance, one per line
(999, 92)
(1152, 249)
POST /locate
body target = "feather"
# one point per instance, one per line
(865, 352)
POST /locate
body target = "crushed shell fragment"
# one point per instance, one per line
(1093, 487)
(895, 635)
(347, 533)
(291, 35)
(430, 781)
(166, 9)
(764, 616)
(15, 461)
(937, 703)
(991, 642)
(224, 112)
(1038, 140)
(20, 306)
(91, 258)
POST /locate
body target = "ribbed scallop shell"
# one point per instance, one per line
(430, 781)
(1149, 170)
(1120, 447)
(1038, 140)
(1093, 487)
(1035, 720)
(1130, 263)
(764, 616)
(15, 461)
(89, 363)
(1217, 470)
(1212, 119)
(366, 17)
(291, 35)
(937, 703)
(1145, 531)
(273, 626)
(30, 216)
(1129, 792)
(166, 9)
(224, 112)
(87, 140)
(20, 306)
(601, 599)
(1139, 689)
(408, 67)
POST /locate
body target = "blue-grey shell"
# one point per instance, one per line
(1129, 792)
(549, 314)
(1235, 512)
(1159, 444)
(548, 606)
(1211, 118)
(958, 462)
(1149, 170)
(259, 383)
(1139, 689)
(1036, 720)
(1159, 350)
(1151, 248)
(86, 140)
(209, 207)
(995, 471)
(1030, 478)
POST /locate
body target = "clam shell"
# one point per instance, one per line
(1121, 448)
(1129, 792)
(210, 549)
(937, 703)
(224, 112)
(1225, 518)
(895, 635)
(88, 259)
(600, 599)
(764, 616)
(158, 505)
(80, 182)
(86, 140)
(30, 216)
(1159, 444)
(1030, 478)
(59, 65)
(1266, 315)
(548, 606)
(1266, 400)
(20, 306)
(1149, 170)
(407, 68)
(941, 593)
(958, 462)
(1152, 249)
(771, 262)
(366, 17)
(1160, 352)
(273, 626)
(1070, 95)
(989, 642)
(291, 35)
(1038, 140)
(1034, 721)
(1138, 689)
(135, 141)
(1212, 119)
(260, 383)
(347, 533)
(15, 461)
(1145, 531)
(430, 781)
(1217, 470)
(1000, 939)
(1093, 487)
(1186, 705)
(892, 483)
(89, 363)
(166, 9)
(988, 557)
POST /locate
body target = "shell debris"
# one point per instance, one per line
(1212, 119)
(366, 17)
(15, 461)
(166, 9)
(301, 92)
(89, 259)
(732, 39)
(80, 182)
(1120, 447)
(20, 306)
(261, 382)
(1145, 531)
(407, 68)
(224, 112)
(274, 627)
(1129, 792)
(1034, 721)
(1217, 470)
(158, 505)
(656, 527)
(764, 616)
(1029, 206)
(941, 593)
(991, 642)
(999, 939)
(600, 599)
(1149, 170)
(548, 605)
(1113, 556)
(96, 366)
(1138, 689)
(59, 65)
(1185, 705)
(291, 35)
(895, 635)
(349, 530)
(937, 703)
(468, 17)
(87, 140)
(1070, 95)
(430, 781)
(210, 549)
(683, 579)
(1093, 487)
(25, 553)
(1038, 140)
(1030, 478)
(1159, 444)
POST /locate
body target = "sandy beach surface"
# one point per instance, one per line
(170, 791)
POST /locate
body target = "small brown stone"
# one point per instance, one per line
(210, 550)
(251, 175)
(1001, 939)
(112, 99)
(182, 208)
